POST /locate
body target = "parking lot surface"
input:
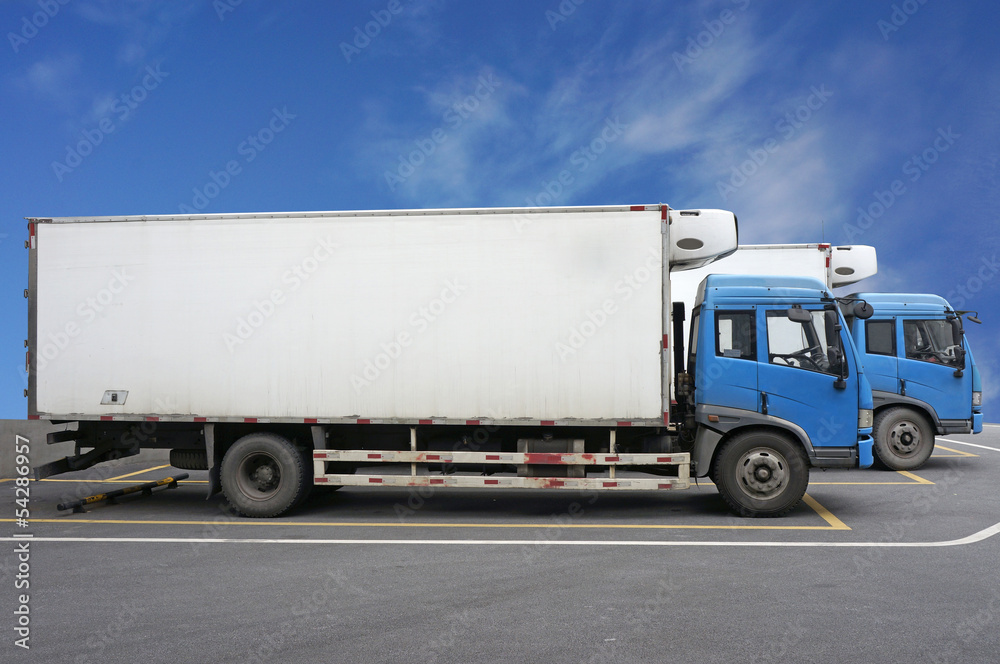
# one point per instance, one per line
(893, 566)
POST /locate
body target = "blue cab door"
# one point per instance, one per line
(730, 378)
(796, 374)
(927, 367)
(876, 340)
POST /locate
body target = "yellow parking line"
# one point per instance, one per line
(957, 452)
(705, 483)
(138, 472)
(915, 478)
(120, 481)
(835, 523)
(379, 524)
(866, 483)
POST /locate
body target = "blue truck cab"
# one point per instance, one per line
(923, 376)
(775, 385)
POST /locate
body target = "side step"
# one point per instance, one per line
(537, 460)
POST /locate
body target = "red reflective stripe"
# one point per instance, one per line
(548, 423)
(828, 261)
(374, 480)
(611, 458)
(107, 418)
(364, 421)
(664, 459)
(637, 208)
(152, 419)
(34, 417)
(319, 455)
(824, 246)
(663, 212)
(492, 457)
(322, 480)
(374, 456)
(610, 484)
(665, 486)
(472, 423)
(425, 421)
(250, 420)
(201, 419)
(666, 341)
(491, 481)
(311, 420)
(433, 457)
(666, 418)
(437, 481)
(624, 424)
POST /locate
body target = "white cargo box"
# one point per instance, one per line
(391, 316)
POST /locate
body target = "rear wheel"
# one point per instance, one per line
(904, 439)
(761, 473)
(263, 475)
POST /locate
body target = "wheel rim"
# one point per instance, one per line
(259, 476)
(904, 439)
(762, 473)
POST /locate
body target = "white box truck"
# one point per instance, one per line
(834, 266)
(287, 351)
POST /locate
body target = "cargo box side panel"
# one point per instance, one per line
(543, 316)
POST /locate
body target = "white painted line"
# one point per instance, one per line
(959, 442)
(986, 533)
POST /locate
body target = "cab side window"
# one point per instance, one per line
(735, 334)
(880, 337)
(930, 341)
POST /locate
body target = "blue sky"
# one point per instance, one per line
(851, 122)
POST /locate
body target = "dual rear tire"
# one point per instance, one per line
(264, 475)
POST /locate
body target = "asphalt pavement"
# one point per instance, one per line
(872, 566)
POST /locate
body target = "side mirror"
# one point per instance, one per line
(799, 315)
(832, 325)
(960, 356)
(863, 310)
(956, 330)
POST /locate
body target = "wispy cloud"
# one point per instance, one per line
(142, 24)
(54, 80)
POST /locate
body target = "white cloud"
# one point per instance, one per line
(54, 80)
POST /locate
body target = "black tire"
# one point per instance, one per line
(263, 475)
(761, 473)
(904, 439)
(189, 459)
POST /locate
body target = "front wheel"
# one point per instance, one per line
(263, 475)
(761, 473)
(904, 439)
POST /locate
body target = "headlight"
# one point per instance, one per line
(865, 418)
(977, 398)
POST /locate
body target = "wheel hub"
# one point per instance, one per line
(762, 473)
(904, 438)
(264, 477)
(259, 476)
